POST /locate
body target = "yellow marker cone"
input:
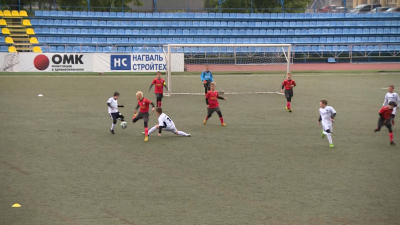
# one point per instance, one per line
(16, 205)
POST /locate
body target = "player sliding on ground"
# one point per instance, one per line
(385, 115)
(389, 97)
(159, 88)
(165, 123)
(112, 104)
(288, 84)
(327, 114)
(206, 77)
(212, 104)
(143, 104)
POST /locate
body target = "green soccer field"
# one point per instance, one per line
(59, 161)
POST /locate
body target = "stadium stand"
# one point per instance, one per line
(72, 31)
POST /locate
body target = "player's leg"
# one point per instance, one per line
(209, 114)
(327, 130)
(120, 116)
(220, 116)
(114, 121)
(393, 114)
(151, 130)
(146, 125)
(288, 95)
(177, 132)
(160, 96)
(205, 88)
(137, 117)
(380, 124)
(389, 127)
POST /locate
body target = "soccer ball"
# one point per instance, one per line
(124, 124)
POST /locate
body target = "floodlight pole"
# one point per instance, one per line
(155, 5)
(122, 5)
(88, 5)
(251, 5)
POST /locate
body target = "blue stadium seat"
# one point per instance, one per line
(336, 40)
(338, 31)
(297, 32)
(72, 22)
(45, 30)
(53, 31)
(221, 32)
(325, 31)
(42, 22)
(304, 32)
(329, 40)
(87, 40)
(40, 40)
(50, 23)
(61, 48)
(358, 39)
(178, 32)
(49, 39)
(315, 40)
(37, 13)
(79, 40)
(284, 32)
(53, 48)
(76, 31)
(372, 39)
(278, 24)
(46, 13)
(270, 32)
(263, 32)
(365, 31)
(76, 14)
(323, 40)
(84, 31)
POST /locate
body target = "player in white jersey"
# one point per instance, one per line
(165, 123)
(327, 114)
(112, 104)
(391, 96)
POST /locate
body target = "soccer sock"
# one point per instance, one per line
(324, 132)
(159, 104)
(329, 135)
(221, 119)
(206, 117)
(391, 136)
(112, 126)
(289, 105)
(181, 133)
(146, 131)
(152, 130)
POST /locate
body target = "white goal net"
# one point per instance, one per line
(236, 68)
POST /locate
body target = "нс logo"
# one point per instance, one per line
(41, 62)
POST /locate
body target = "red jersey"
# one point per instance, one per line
(212, 97)
(159, 85)
(386, 112)
(144, 105)
(287, 83)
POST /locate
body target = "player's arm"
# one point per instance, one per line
(320, 119)
(137, 107)
(121, 106)
(151, 85)
(219, 97)
(202, 76)
(207, 99)
(152, 105)
(385, 102)
(165, 85)
(283, 86)
(212, 79)
(293, 83)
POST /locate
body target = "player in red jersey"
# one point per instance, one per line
(143, 104)
(385, 115)
(159, 88)
(212, 104)
(288, 84)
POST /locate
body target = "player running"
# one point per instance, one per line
(385, 115)
(327, 114)
(389, 97)
(212, 104)
(165, 123)
(206, 77)
(159, 88)
(143, 104)
(288, 84)
(112, 104)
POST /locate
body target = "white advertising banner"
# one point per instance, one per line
(55, 62)
(9, 62)
(137, 62)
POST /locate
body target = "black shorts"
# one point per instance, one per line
(144, 116)
(159, 95)
(210, 111)
(288, 93)
(207, 84)
(388, 123)
(116, 115)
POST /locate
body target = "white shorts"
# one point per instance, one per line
(327, 126)
(171, 128)
(394, 110)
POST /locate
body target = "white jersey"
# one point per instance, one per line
(114, 105)
(326, 115)
(164, 120)
(391, 97)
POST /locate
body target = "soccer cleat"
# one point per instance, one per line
(134, 116)
(146, 138)
(204, 122)
(376, 130)
(290, 110)
(322, 134)
(223, 124)
(287, 109)
(392, 143)
(188, 135)
(112, 132)
(331, 146)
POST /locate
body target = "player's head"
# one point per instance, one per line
(323, 103)
(116, 95)
(158, 111)
(391, 88)
(392, 104)
(139, 95)
(212, 86)
(158, 74)
(289, 75)
(207, 68)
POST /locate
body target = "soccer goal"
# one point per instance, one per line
(236, 68)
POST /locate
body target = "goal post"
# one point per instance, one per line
(236, 68)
